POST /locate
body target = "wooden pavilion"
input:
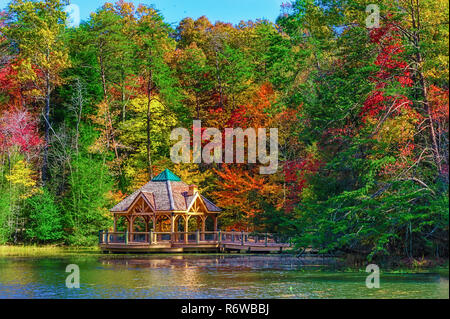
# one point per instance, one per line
(166, 204)
(167, 215)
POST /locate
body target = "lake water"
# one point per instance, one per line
(203, 276)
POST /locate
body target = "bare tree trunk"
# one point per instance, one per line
(78, 109)
(415, 18)
(436, 151)
(197, 107)
(108, 120)
(45, 175)
(123, 98)
(219, 80)
(102, 71)
(149, 114)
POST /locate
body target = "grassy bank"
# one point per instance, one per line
(44, 250)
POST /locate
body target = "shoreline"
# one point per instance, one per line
(44, 251)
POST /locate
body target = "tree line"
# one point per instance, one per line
(362, 114)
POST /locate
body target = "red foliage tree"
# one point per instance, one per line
(10, 87)
(296, 174)
(392, 69)
(18, 129)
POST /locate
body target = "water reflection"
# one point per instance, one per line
(203, 276)
(217, 261)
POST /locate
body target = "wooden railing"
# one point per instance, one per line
(197, 237)
(254, 238)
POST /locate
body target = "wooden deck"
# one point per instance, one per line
(179, 242)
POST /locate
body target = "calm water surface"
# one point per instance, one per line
(202, 276)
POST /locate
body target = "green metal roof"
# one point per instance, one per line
(166, 175)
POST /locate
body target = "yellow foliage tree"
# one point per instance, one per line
(22, 178)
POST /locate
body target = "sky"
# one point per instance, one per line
(175, 10)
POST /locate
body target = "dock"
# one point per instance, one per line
(192, 242)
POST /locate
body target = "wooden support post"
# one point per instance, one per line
(115, 223)
(150, 237)
(203, 228)
(126, 237)
(186, 229)
(153, 236)
(215, 223)
(172, 228)
(176, 229)
(130, 229)
(197, 237)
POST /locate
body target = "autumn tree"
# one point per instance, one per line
(159, 82)
(34, 30)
